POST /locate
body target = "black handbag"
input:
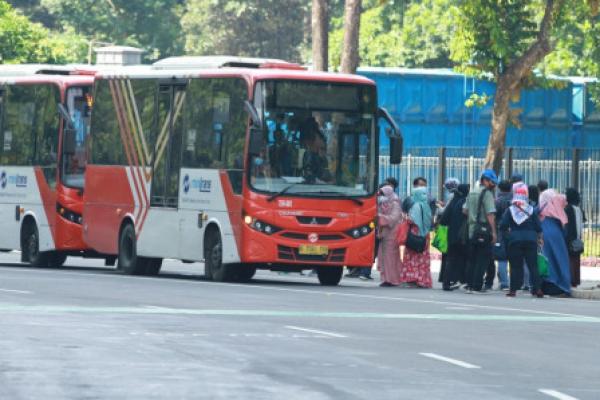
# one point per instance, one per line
(482, 234)
(415, 242)
(576, 246)
(500, 253)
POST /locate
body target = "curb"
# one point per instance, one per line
(592, 293)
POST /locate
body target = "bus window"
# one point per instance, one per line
(18, 125)
(78, 105)
(106, 147)
(47, 124)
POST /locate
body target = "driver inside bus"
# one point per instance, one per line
(315, 167)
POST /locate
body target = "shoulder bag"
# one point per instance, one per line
(482, 234)
(415, 242)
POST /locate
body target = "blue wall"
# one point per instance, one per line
(429, 107)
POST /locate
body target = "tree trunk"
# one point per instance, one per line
(497, 141)
(350, 51)
(320, 35)
(509, 82)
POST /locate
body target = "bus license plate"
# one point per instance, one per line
(312, 250)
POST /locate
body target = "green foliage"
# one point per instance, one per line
(492, 34)
(153, 25)
(22, 41)
(259, 28)
(476, 100)
(401, 33)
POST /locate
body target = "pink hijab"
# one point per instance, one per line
(552, 204)
(387, 200)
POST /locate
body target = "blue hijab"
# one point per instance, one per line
(420, 212)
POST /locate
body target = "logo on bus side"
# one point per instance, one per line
(19, 181)
(197, 184)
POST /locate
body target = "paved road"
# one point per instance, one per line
(87, 332)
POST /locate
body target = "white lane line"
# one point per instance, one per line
(556, 394)
(332, 334)
(323, 293)
(15, 291)
(450, 360)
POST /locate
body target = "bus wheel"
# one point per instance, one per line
(129, 262)
(56, 259)
(30, 246)
(330, 276)
(153, 266)
(213, 259)
(244, 272)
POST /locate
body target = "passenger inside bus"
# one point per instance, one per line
(315, 166)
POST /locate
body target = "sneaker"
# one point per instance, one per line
(385, 284)
(489, 287)
(482, 291)
(364, 278)
(511, 294)
(351, 275)
(525, 288)
(455, 286)
(504, 288)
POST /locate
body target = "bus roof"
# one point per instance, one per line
(251, 74)
(61, 80)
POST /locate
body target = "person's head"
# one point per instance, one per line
(520, 194)
(573, 197)
(419, 182)
(542, 185)
(489, 179)
(463, 189)
(419, 194)
(451, 184)
(515, 178)
(278, 134)
(309, 130)
(392, 182)
(534, 194)
(505, 186)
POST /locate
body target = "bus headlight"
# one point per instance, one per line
(260, 226)
(361, 231)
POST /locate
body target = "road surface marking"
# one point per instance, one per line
(39, 309)
(15, 291)
(459, 308)
(332, 334)
(326, 293)
(450, 360)
(556, 394)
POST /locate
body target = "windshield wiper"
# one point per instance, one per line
(341, 194)
(281, 192)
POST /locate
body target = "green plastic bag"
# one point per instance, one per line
(542, 262)
(440, 240)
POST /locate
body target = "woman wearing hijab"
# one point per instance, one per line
(455, 220)
(416, 270)
(552, 214)
(388, 253)
(574, 234)
(522, 227)
(451, 186)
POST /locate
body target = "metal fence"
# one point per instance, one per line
(578, 168)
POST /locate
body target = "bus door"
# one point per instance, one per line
(166, 169)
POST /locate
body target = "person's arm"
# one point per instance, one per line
(490, 212)
(491, 217)
(504, 221)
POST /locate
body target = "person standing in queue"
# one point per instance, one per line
(574, 234)
(389, 216)
(521, 226)
(454, 218)
(480, 209)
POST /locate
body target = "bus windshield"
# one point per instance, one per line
(75, 160)
(319, 139)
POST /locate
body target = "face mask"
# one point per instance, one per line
(258, 161)
(380, 199)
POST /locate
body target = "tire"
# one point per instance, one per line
(56, 259)
(128, 261)
(153, 266)
(244, 272)
(213, 260)
(330, 276)
(30, 246)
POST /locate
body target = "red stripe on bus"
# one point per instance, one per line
(234, 206)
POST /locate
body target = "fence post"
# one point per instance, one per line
(509, 164)
(409, 173)
(441, 173)
(575, 168)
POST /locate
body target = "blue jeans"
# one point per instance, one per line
(503, 274)
(365, 271)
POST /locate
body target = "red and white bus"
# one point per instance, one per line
(44, 121)
(241, 163)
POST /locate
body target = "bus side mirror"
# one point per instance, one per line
(69, 141)
(256, 141)
(396, 140)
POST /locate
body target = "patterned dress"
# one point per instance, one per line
(416, 266)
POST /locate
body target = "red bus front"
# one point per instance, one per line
(311, 175)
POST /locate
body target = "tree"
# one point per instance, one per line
(401, 33)
(22, 41)
(320, 35)
(257, 28)
(153, 25)
(350, 49)
(506, 39)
